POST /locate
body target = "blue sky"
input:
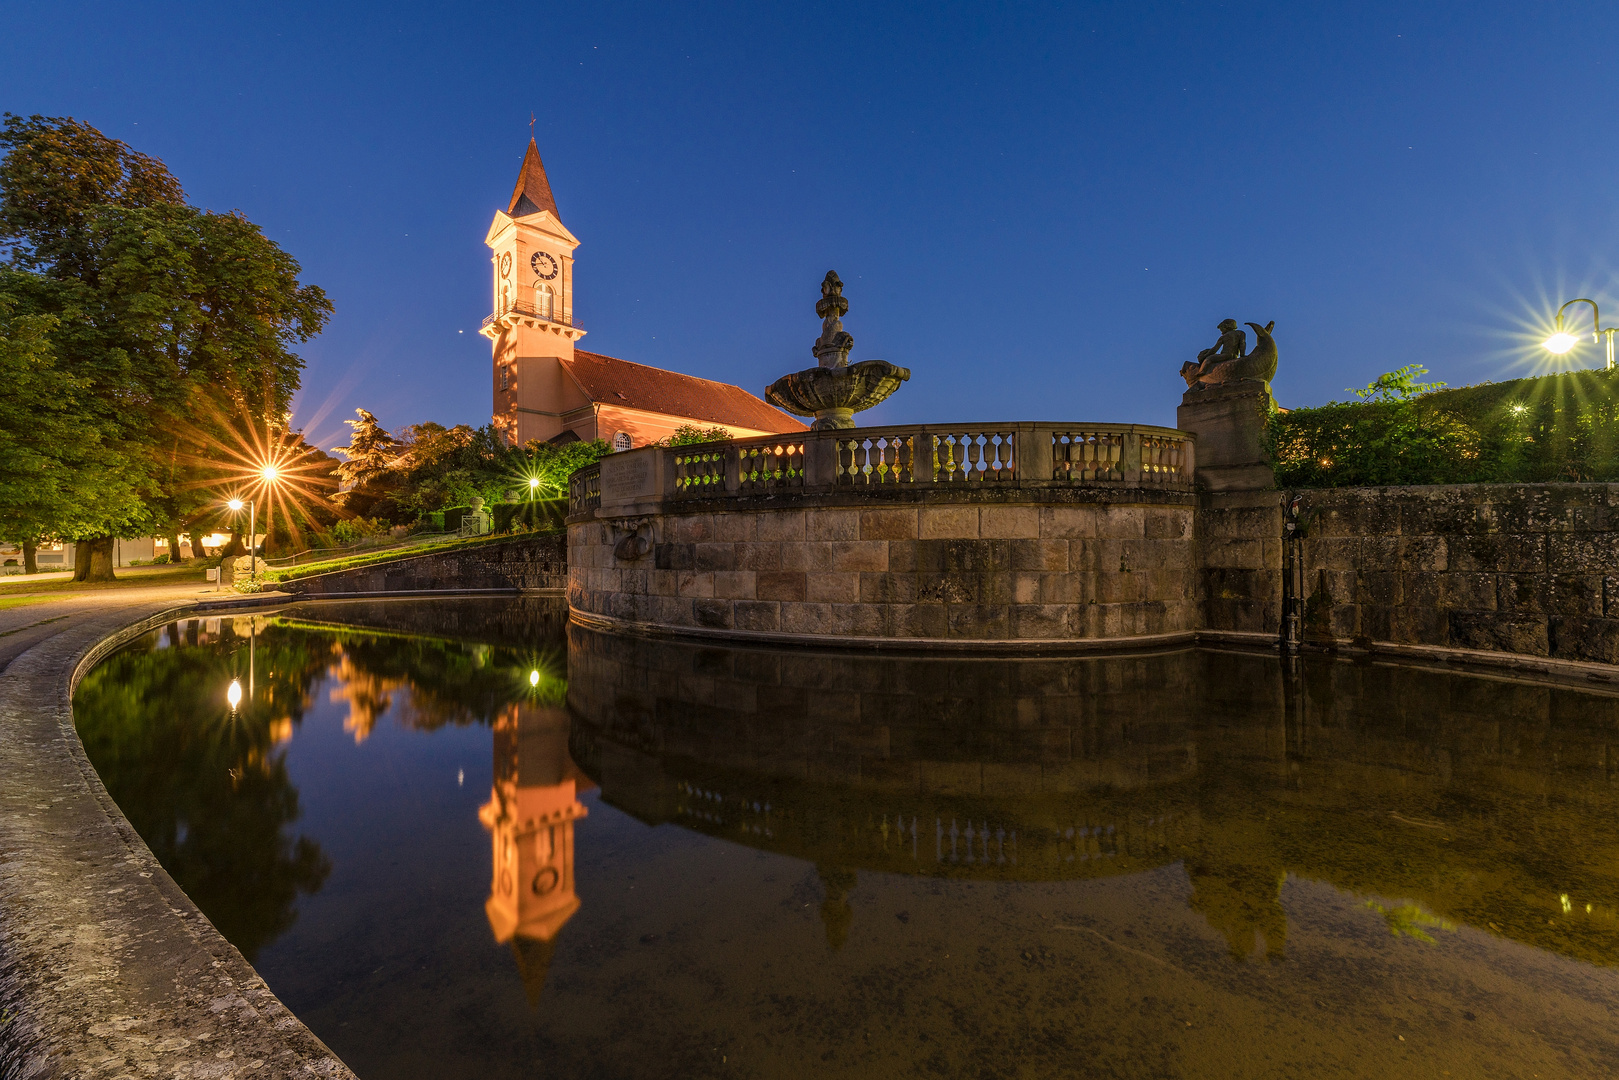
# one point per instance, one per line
(1041, 210)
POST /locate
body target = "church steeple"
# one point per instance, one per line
(530, 327)
(533, 191)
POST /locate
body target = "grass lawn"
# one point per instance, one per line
(273, 575)
(135, 577)
(20, 601)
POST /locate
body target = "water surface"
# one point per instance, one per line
(463, 839)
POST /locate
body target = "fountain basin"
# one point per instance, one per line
(834, 394)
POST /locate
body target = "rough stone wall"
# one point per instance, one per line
(1239, 551)
(966, 571)
(525, 562)
(1531, 569)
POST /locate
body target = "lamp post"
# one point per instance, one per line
(1562, 341)
(252, 533)
(268, 475)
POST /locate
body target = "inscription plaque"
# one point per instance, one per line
(627, 477)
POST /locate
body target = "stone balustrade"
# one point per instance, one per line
(982, 533)
(883, 461)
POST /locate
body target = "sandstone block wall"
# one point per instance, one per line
(965, 571)
(1240, 561)
(1531, 569)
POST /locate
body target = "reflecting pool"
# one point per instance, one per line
(466, 839)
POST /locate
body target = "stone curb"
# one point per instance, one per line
(933, 646)
(107, 969)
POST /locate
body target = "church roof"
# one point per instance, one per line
(533, 191)
(608, 380)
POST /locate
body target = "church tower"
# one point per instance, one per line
(531, 328)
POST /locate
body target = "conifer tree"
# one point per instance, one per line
(369, 462)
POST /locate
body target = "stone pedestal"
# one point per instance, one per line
(1229, 421)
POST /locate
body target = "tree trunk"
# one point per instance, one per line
(173, 537)
(30, 556)
(92, 560)
(235, 547)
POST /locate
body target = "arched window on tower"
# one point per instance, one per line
(543, 297)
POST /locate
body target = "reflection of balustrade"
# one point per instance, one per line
(890, 458)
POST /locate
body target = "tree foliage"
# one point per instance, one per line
(56, 474)
(428, 467)
(168, 320)
(368, 462)
(691, 435)
(1552, 428)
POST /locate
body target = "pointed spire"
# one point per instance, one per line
(533, 191)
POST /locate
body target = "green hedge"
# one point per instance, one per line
(1562, 427)
(536, 514)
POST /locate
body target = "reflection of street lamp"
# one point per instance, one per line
(1562, 341)
(234, 694)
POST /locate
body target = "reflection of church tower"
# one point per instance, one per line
(531, 322)
(530, 815)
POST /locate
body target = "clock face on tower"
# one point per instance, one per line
(545, 267)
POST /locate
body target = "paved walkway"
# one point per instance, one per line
(106, 968)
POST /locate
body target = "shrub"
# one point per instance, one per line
(527, 516)
(1561, 427)
(691, 434)
(452, 515)
(348, 531)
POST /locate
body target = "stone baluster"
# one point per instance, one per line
(1130, 457)
(820, 459)
(921, 457)
(1033, 459)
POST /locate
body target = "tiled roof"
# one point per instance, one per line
(607, 380)
(533, 191)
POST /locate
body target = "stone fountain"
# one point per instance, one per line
(835, 389)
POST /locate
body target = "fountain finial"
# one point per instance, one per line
(837, 389)
(831, 349)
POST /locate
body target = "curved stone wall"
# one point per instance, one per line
(1028, 568)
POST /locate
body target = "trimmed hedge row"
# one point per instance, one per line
(535, 514)
(1562, 427)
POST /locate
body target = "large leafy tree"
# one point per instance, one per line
(52, 465)
(169, 317)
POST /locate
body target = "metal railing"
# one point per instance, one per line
(958, 456)
(529, 311)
